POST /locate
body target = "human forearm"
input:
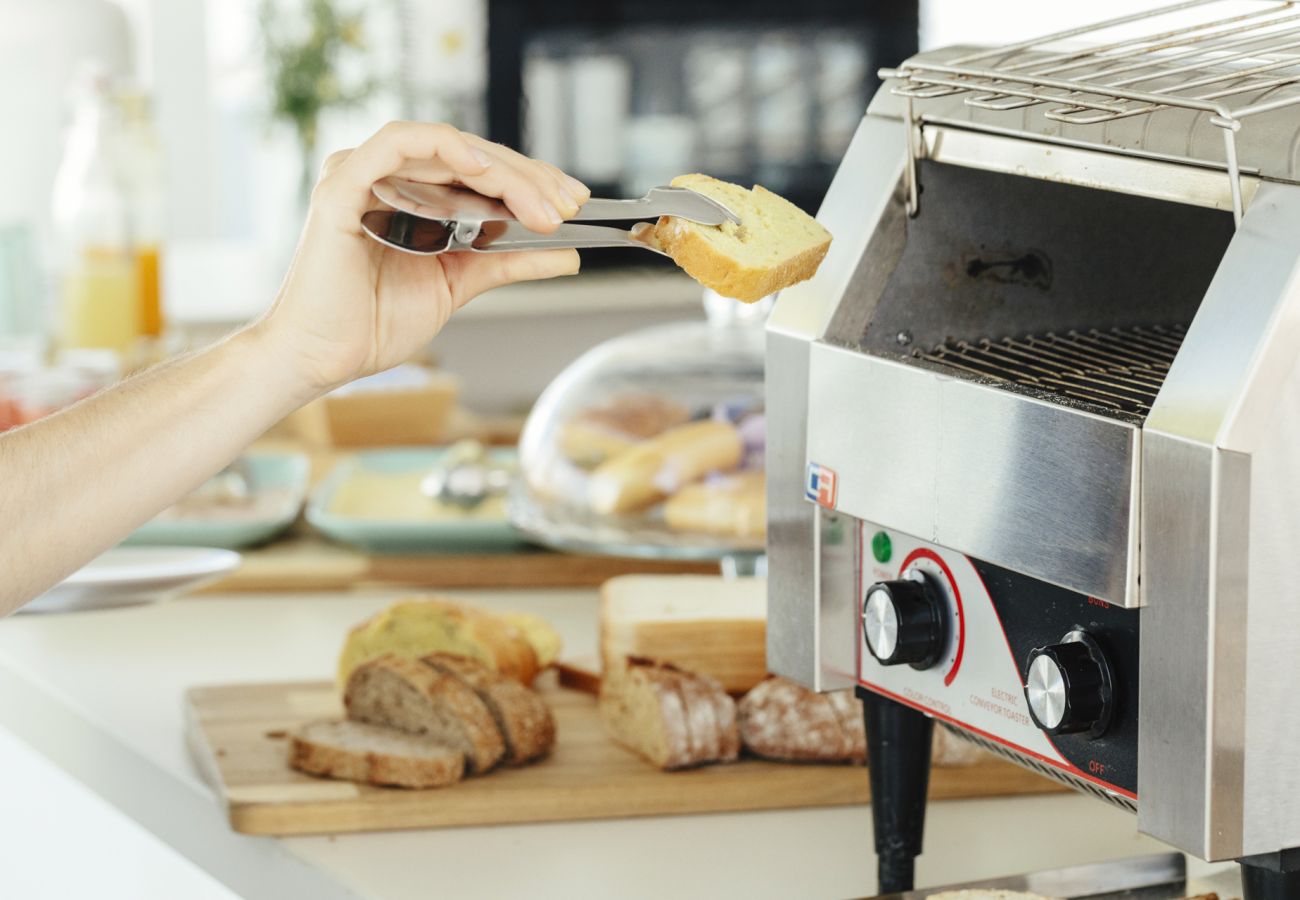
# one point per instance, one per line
(76, 483)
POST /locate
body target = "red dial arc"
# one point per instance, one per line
(928, 554)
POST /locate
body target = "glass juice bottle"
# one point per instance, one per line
(100, 298)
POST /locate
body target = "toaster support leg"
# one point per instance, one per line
(898, 754)
(1271, 876)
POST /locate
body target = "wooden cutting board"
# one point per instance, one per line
(239, 736)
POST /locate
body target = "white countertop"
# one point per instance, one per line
(98, 695)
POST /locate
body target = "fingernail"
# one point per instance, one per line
(576, 187)
(551, 213)
(481, 158)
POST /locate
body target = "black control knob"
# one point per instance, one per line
(1068, 686)
(904, 622)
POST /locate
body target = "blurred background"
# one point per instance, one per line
(158, 152)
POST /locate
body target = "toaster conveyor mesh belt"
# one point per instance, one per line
(1120, 368)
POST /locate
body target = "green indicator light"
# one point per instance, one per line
(881, 547)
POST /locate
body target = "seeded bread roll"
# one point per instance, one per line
(780, 719)
(407, 695)
(355, 751)
(522, 717)
(775, 245)
(414, 627)
(663, 465)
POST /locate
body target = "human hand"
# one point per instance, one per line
(350, 306)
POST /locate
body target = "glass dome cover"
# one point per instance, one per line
(651, 444)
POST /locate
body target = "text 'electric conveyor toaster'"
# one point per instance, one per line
(1034, 428)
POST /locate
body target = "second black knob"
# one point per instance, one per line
(904, 622)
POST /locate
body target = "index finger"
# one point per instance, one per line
(388, 149)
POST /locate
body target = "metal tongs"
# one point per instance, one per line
(425, 219)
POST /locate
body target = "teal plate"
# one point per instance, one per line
(378, 535)
(266, 471)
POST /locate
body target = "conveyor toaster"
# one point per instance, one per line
(1034, 428)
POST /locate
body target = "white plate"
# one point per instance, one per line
(126, 576)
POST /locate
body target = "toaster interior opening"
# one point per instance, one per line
(1075, 294)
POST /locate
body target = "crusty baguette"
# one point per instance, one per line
(729, 506)
(407, 695)
(416, 626)
(775, 245)
(371, 754)
(524, 719)
(653, 469)
(642, 709)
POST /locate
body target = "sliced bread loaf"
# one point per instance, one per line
(643, 710)
(524, 719)
(417, 626)
(673, 719)
(775, 244)
(780, 719)
(407, 695)
(355, 751)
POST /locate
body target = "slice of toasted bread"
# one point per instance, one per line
(371, 754)
(775, 245)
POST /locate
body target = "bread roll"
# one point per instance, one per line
(599, 432)
(775, 245)
(727, 506)
(780, 719)
(648, 472)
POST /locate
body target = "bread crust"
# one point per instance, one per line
(487, 746)
(312, 753)
(498, 642)
(780, 719)
(524, 719)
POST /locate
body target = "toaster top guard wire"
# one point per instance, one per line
(1229, 60)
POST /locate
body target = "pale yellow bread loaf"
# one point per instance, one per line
(728, 506)
(775, 245)
(518, 646)
(651, 470)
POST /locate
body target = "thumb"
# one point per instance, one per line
(470, 274)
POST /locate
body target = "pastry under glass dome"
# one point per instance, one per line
(651, 444)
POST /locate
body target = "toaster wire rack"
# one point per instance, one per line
(1119, 369)
(1227, 59)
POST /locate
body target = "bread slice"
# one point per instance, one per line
(775, 245)
(417, 626)
(643, 710)
(651, 470)
(355, 751)
(780, 719)
(407, 695)
(523, 718)
(701, 623)
(729, 506)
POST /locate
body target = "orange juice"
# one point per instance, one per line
(101, 300)
(146, 273)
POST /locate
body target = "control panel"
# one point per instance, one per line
(1043, 671)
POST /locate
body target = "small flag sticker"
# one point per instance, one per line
(821, 485)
